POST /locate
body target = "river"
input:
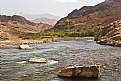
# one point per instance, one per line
(14, 65)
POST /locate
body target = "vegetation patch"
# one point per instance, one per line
(69, 33)
(59, 33)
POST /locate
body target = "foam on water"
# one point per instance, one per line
(22, 62)
(52, 62)
(49, 62)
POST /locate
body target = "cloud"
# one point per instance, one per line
(65, 1)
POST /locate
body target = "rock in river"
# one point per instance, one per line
(38, 60)
(81, 71)
(25, 47)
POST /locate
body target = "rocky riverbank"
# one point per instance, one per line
(111, 34)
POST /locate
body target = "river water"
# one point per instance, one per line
(14, 65)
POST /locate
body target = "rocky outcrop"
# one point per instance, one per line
(81, 71)
(91, 17)
(111, 34)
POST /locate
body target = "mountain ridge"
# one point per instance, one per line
(91, 17)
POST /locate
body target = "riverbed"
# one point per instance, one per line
(15, 65)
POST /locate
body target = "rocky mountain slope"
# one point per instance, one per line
(91, 17)
(45, 20)
(11, 26)
(111, 34)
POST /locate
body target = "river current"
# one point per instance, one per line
(14, 65)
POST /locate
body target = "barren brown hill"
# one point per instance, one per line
(11, 26)
(111, 34)
(91, 17)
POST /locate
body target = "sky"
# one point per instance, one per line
(55, 7)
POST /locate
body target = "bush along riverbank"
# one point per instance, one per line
(69, 33)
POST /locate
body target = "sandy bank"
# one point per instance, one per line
(19, 42)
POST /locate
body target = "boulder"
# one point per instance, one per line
(81, 71)
(25, 47)
(38, 60)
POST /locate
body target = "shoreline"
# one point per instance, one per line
(15, 44)
(32, 41)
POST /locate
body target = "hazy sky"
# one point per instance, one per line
(55, 7)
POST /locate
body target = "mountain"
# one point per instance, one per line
(111, 34)
(45, 20)
(12, 26)
(91, 17)
(46, 15)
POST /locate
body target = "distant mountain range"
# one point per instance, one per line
(46, 15)
(45, 18)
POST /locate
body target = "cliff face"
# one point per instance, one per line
(91, 17)
(111, 34)
(11, 26)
